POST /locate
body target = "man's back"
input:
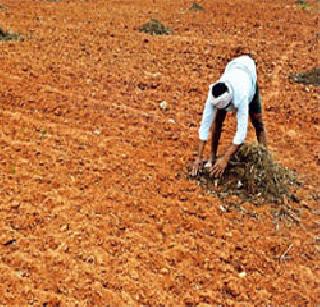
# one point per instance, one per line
(241, 75)
(244, 62)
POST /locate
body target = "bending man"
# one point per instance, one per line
(236, 91)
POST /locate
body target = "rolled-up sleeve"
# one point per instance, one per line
(242, 122)
(208, 116)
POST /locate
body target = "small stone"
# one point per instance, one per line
(163, 105)
(97, 132)
(134, 274)
(242, 274)
(65, 227)
(292, 133)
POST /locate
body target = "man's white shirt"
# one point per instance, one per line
(240, 76)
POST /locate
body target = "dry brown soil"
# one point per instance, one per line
(95, 207)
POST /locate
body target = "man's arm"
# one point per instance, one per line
(242, 122)
(206, 122)
(216, 133)
(198, 159)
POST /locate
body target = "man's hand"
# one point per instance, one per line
(198, 161)
(196, 166)
(218, 169)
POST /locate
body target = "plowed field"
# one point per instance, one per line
(95, 207)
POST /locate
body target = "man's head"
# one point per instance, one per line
(221, 95)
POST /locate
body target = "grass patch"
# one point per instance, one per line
(252, 175)
(311, 77)
(155, 27)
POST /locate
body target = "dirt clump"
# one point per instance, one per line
(252, 174)
(154, 26)
(311, 77)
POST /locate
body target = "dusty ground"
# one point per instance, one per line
(95, 207)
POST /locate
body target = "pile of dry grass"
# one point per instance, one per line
(252, 174)
(307, 77)
(6, 36)
(154, 26)
(196, 7)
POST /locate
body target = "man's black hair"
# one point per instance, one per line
(219, 89)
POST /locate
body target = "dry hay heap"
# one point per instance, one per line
(303, 3)
(253, 175)
(196, 7)
(308, 77)
(154, 26)
(6, 36)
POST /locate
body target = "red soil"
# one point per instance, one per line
(94, 204)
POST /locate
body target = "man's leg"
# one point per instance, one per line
(257, 122)
(216, 133)
(255, 112)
